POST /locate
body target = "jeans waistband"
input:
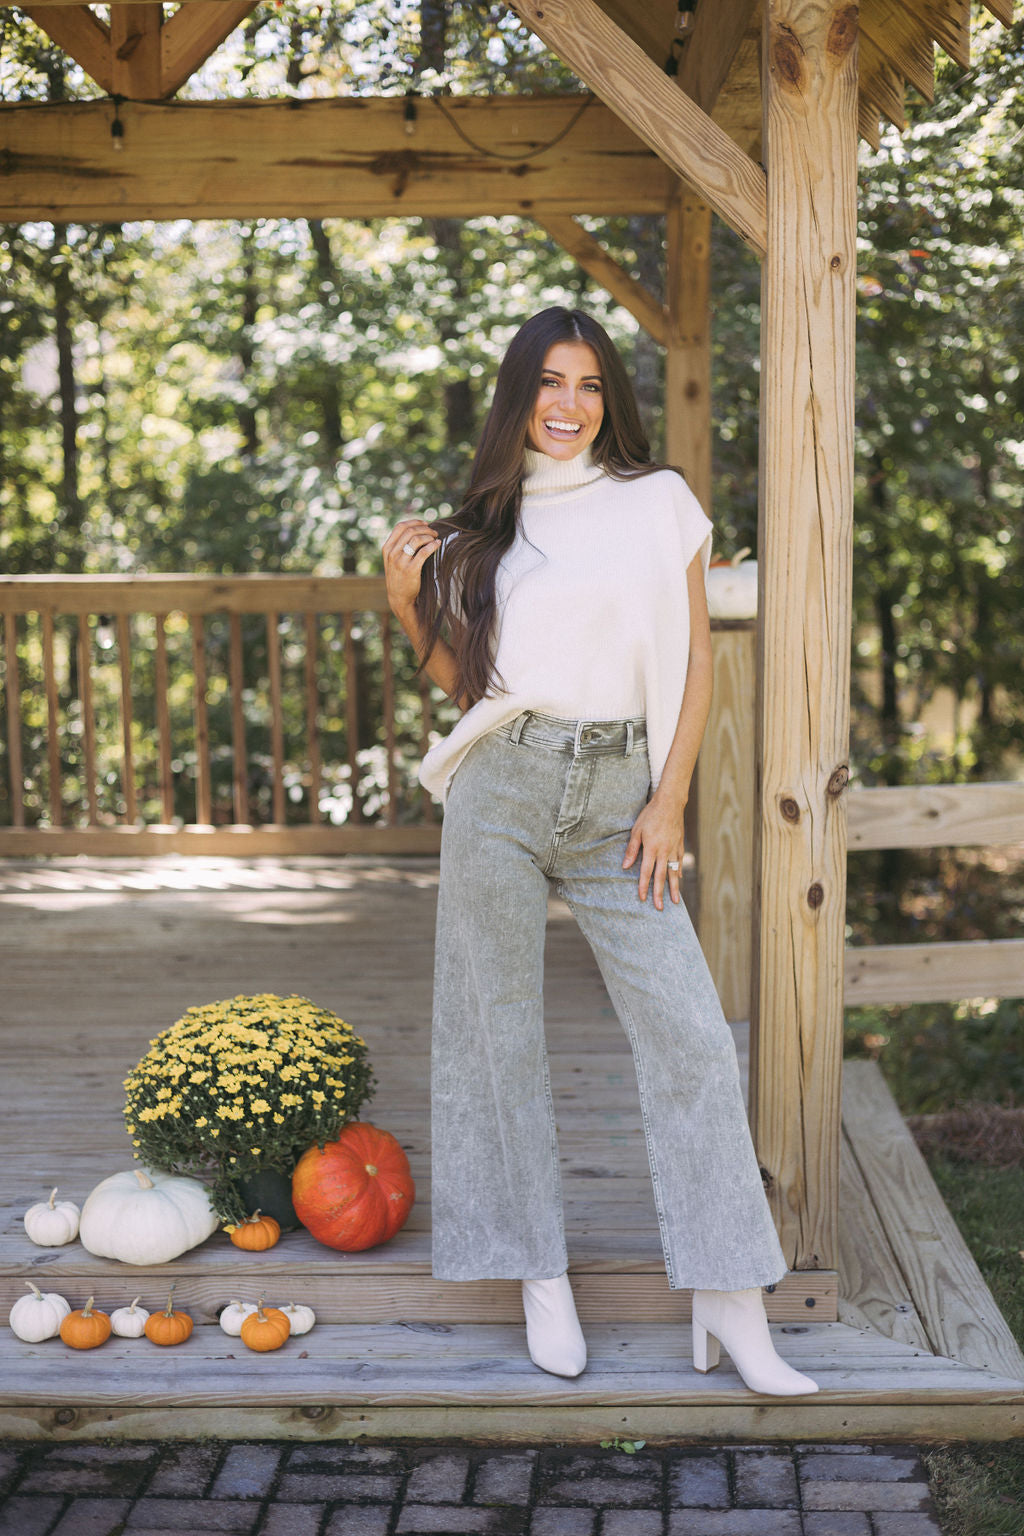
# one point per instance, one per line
(617, 737)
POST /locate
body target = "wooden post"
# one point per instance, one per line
(688, 351)
(805, 550)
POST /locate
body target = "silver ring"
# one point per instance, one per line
(673, 863)
(408, 549)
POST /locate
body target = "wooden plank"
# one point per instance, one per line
(688, 341)
(276, 717)
(192, 594)
(388, 670)
(1002, 10)
(591, 255)
(78, 32)
(725, 811)
(192, 34)
(352, 735)
(804, 606)
(312, 716)
(163, 721)
(88, 738)
(688, 141)
(936, 816)
(868, 126)
(200, 715)
(124, 662)
(904, 39)
(711, 50)
(52, 737)
(874, 1292)
(345, 158)
(135, 28)
(934, 973)
(954, 1303)
(949, 22)
(239, 760)
(12, 689)
(241, 842)
(881, 83)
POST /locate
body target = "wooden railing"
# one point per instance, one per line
(242, 714)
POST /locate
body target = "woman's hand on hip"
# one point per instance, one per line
(406, 550)
(657, 840)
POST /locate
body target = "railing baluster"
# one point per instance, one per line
(52, 740)
(204, 789)
(239, 771)
(88, 719)
(389, 717)
(426, 726)
(124, 656)
(276, 720)
(312, 712)
(352, 717)
(163, 722)
(14, 759)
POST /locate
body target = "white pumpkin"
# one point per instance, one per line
(234, 1315)
(300, 1319)
(38, 1316)
(50, 1224)
(732, 589)
(129, 1322)
(143, 1217)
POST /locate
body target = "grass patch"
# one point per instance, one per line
(977, 1489)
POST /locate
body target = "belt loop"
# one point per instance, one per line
(577, 740)
(518, 727)
(629, 738)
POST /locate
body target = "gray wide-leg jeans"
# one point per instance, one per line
(551, 802)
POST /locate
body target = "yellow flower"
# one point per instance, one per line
(260, 1107)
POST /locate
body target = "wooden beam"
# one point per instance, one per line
(881, 83)
(192, 34)
(949, 22)
(809, 82)
(1002, 10)
(891, 974)
(626, 289)
(79, 33)
(688, 358)
(708, 57)
(135, 50)
(904, 39)
(618, 71)
(650, 25)
(936, 816)
(321, 159)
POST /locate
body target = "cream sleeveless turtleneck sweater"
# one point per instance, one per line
(593, 621)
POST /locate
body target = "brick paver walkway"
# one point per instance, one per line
(347, 1489)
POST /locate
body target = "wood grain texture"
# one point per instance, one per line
(78, 32)
(342, 158)
(713, 47)
(688, 352)
(953, 1302)
(904, 38)
(725, 812)
(12, 694)
(591, 255)
(804, 603)
(936, 816)
(890, 974)
(691, 143)
(191, 34)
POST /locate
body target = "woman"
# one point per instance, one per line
(570, 586)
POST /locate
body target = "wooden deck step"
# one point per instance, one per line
(476, 1380)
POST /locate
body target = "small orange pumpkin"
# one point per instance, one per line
(168, 1327)
(265, 1329)
(86, 1328)
(256, 1233)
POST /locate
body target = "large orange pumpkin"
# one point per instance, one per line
(357, 1192)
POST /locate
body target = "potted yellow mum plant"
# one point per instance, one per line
(238, 1090)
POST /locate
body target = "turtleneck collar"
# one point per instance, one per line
(543, 475)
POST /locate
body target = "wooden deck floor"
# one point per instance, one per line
(95, 959)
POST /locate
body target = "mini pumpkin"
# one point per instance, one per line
(300, 1319)
(265, 1329)
(168, 1327)
(357, 1192)
(129, 1322)
(53, 1222)
(234, 1315)
(256, 1233)
(86, 1328)
(39, 1316)
(142, 1217)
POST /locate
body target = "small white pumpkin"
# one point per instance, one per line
(51, 1225)
(38, 1316)
(300, 1319)
(143, 1217)
(129, 1322)
(234, 1315)
(732, 588)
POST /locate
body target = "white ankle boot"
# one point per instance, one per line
(737, 1320)
(553, 1333)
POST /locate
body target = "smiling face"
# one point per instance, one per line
(569, 409)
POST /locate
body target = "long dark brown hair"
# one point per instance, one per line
(488, 518)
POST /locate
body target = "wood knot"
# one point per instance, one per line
(786, 57)
(838, 780)
(842, 33)
(815, 896)
(789, 808)
(767, 1179)
(836, 263)
(314, 1412)
(65, 1416)
(692, 389)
